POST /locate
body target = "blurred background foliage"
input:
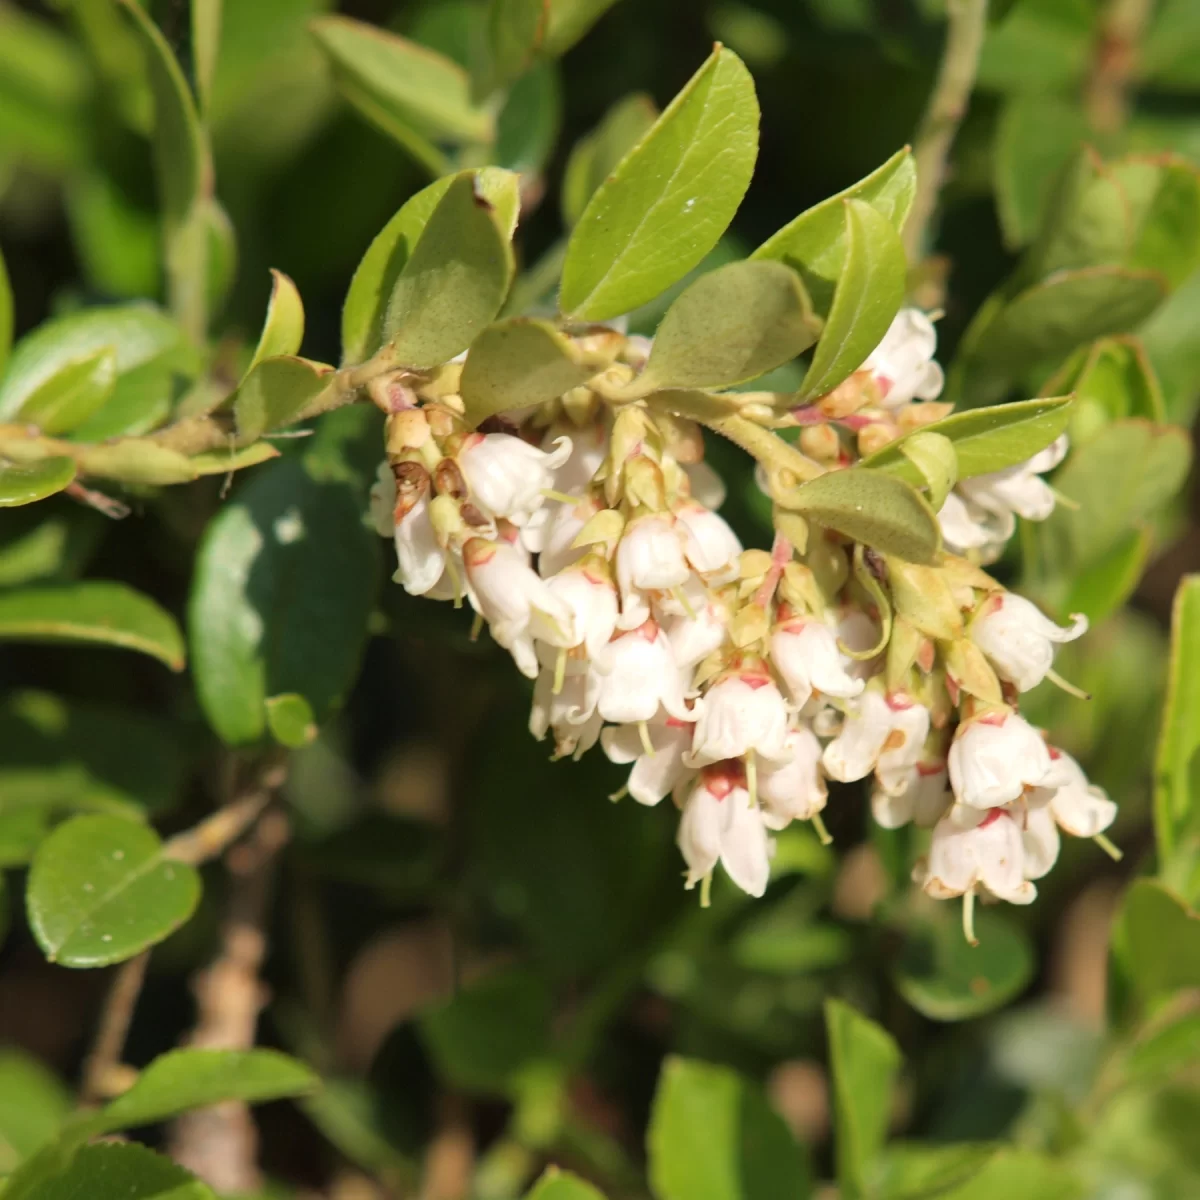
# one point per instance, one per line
(487, 961)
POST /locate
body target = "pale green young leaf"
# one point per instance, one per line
(6, 316)
(594, 157)
(923, 1170)
(33, 1103)
(815, 242)
(141, 401)
(276, 392)
(714, 1137)
(101, 889)
(23, 483)
(984, 439)
(290, 720)
(669, 200)
(72, 394)
(407, 84)
(137, 461)
(555, 1184)
(222, 462)
(936, 460)
(517, 362)
(109, 614)
(455, 279)
(864, 1061)
(126, 1171)
(868, 294)
(1177, 763)
(733, 324)
(1013, 1171)
(206, 40)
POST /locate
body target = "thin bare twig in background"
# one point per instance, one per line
(1114, 67)
(966, 26)
(450, 1157)
(103, 1076)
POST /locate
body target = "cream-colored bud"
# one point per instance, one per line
(447, 520)
(407, 430)
(875, 436)
(848, 397)
(913, 416)
(821, 442)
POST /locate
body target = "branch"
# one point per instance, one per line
(967, 23)
(768, 448)
(103, 1075)
(1106, 97)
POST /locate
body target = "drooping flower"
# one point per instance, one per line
(649, 559)
(968, 529)
(742, 711)
(654, 775)
(710, 546)
(902, 365)
(793, 789)
(586, 588)
(876, 725)
(1018, 640)
(571, 713)
(1065, 800)
(507, 476)
(976, 852)
(1018, 489)
(994, 758)
(563, 524)
(719, 824)
(805, 652)
(695, 637)
(922, 796)
(641, 676)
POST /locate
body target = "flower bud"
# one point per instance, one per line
(874, 437)
(995, 757)
(821, 442)
(1018, 640)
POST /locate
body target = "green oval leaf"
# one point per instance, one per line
(669, 200)
(1166, 1051)
(33, 1105)
(815, 242)
(946, 979)
(137, 461)
(864, 1061)
(290, 720)
(867, 296)
(878, 510)
(562, 1185)
(221, 462)
(276, 392)
(984, 439)
(713, 1136)
(1176, 778)
(520, 361)
(733, 324)
(23, 483)
(594, 157)
(111, 1171)
(140, 402)
(936, 462)
(101, 890)
(283, 329)
(1101, 587)
(284, 583)
(108, 614)
(71, 394)
(1157, 939)
(456, 278)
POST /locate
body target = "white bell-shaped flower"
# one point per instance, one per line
(557, 536)
(902, 364)
(719, 824)
(994, 758)
(507, 476)
(742, 711)
(694, 638)
(571, 713)
(972, 531)
(794, 788)
(649, 559)
(1079, 807)
(1018, 489)
(904, 744)
(805, 652)
(923, 797)
(654, 775)
(984, 856)
(587, 590)
(1018, 640)
(707, 487)
(516, 602)
(710, 546)
(589, 445)
(420, 560)
(641, 676)
(1040, 842)
(876, 725)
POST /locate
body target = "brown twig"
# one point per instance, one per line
(1114, 66)
(103, 1075)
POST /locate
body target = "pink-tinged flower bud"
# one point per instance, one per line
(649, 558)
(793, 789)
(1018, 489)
(719, 824)
(879, 731)
(695, 638)
(507, 476)
(710, 546)
(902, 365)
(923, 797)
(515, 601)
(805, 652)
(654, 775)
(743, 711)
(571, 714)
(983, 856)
(1018, 640)
(994, 758)
(640, 676)
(588, 592)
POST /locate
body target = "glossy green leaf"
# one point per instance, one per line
(290, 720)
(714, 1137)
(984, 439)
(520, 361)
(206, 40)
(669, 200)
(945, 978)
(1158, 939)
(406, 84)
(864, 1061)
(276, 392)
(815, 243)
(1102, 586)
(137, 461)
(562, 1185)
(33, 1103)
(867, 296)
(195, 1078)
(137, 333)
(71, 395)
(283, 329)
(882, 511)
(284, 582)
(455, 279)
(101, 890)
(121, 1172)
(733, 324)
(24, 483)
(221, 462)
(1177, 763)
(108, 614)
(6, 316)
(594, 157)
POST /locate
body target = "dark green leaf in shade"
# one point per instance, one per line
(72, 394)
(945, 978)
(864, 1061)
(528, 125)
(1157, 939)
(109, 614)
(594, 157)
(666, 204)
(285, 580)
(733, 324)
(101, 890)
(283, 329)
(815, 242)
(517, 362)
(276, 392)
(562, 1185)
(120, 1172)
(713, 1136)
(23, 483)
(1167, 57)
(569, 20)
(290, 720)
(868, 294)
(1099, 588)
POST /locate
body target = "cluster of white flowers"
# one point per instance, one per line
(740, 682)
